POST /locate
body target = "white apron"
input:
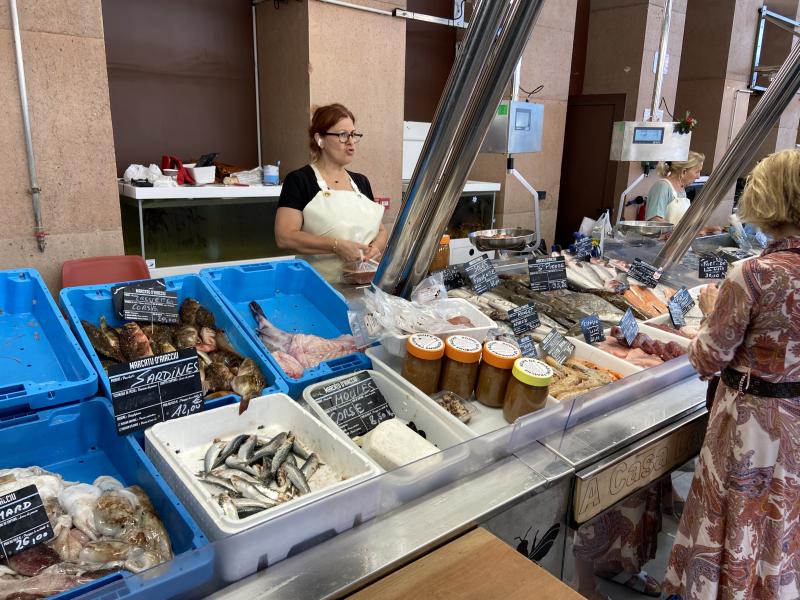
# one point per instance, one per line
(342, 214)
(677, 207)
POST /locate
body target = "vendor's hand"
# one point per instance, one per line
(708, 298)
(351, 251)
(374, 253)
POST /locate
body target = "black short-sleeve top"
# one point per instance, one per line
(300, 187)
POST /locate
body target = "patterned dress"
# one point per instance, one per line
(740, 532)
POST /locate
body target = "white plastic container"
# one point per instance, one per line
(408, 404)
(396, 345)
(584, 351)
(202, 175)
(271, 175)
(177, 449)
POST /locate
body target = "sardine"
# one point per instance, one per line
(227, 506)
(233, 462)
(248, 490)
(281, 454)
(212, 454)
(231, 447)
(300, 449)
(297, 478)
(310, 466)
(268, 448)
(241, 503)
(245, 452)
(227, 473)
(221, 482)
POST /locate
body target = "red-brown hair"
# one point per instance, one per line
(324, 118)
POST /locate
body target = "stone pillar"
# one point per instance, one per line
(313, 53)
(67, 81)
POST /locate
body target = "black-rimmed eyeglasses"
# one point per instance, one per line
(346, 135)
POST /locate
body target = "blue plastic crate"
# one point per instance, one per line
(91, 302)
(294, 298)
(80, 442)
(41, 363)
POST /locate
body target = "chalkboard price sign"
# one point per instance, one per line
(154, 389)
(481, 274)
(557, 347)
(676, 314)
(583, 248)
(644, 272)
(527, 347)
(629, 326)
(523, 318)
(592, 329)
(547, 273)
(147, 301)
(712, 267)
(683, 299)
(453, 277)
(354, 403)
(23, 521)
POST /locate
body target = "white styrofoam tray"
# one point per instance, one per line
(408, 403)
(178, 447)
(396, 345)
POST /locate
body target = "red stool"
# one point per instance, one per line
(103, 269)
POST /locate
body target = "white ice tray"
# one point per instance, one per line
(396, 345)
(178, 447)
(409, 404)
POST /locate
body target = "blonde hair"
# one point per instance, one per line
(771, 196)
(680, 166)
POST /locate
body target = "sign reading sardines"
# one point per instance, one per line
(23, 521)
(154, 389)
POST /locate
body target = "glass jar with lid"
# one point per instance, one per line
(527, 388)
(497, 360)
(423, 363)
(460, 369)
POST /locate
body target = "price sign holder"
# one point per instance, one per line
(683, 299)
(355, 403)
(592, 329)
(547, 273)
(154, 389)
(629, 326)
(644, 273)
(481, 274)
(524, 318)
(557, 347)
(712, 267)
(23, 521)
(527, 347)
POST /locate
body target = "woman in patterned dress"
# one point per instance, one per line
(739, 537)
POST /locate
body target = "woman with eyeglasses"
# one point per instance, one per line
(326, 212)
(667, 201)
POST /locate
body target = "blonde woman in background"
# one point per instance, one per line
(667, 201)
(739, 536)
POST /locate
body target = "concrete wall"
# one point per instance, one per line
(65, 68)
(546, 61)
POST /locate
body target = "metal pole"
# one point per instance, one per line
(513, 36)
(38, 229)
(662, 59)
(739, 155)
(258, 84)
(450, 113)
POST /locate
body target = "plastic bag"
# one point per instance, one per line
(430, 289)
(359, 272)
(251, 177)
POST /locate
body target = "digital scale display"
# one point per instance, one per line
(648, 135)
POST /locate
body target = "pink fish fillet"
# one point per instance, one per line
(304, 350)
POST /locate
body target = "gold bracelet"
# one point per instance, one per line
(335, 242)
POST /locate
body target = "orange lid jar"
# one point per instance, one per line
(460, 369)
(423, 363)
(497, 361)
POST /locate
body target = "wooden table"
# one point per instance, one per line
(475, 566)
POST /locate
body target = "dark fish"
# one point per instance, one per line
(218, 377)
(296, 477)
(110, 333)
(186, 337)
(269, 448)
(281, 454)
(161, 337)
(133, 342)
(204, 318)
(231, 447)
(101, 343)
(188, 311)
(248, 383)
(208, 340)
(224, 345)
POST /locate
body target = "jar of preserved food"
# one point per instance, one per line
(527, 388)
(460, 368)
(442, 257)
(495, 371)
(423, 363)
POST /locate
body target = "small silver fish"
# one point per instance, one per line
(310, 466)
(227, 505)
(231, 447)
(212, 454)
(245, 451)
(248, 490)
(219, 481)
(227, 473)
(268, 448)
(297, 478)
(241, 503)
(233, 462)
(281, 454)
(300, 449)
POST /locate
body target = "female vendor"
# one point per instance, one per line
(326, 212)
(667, 199)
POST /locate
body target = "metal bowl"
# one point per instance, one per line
(645, 228)
(515, 238)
